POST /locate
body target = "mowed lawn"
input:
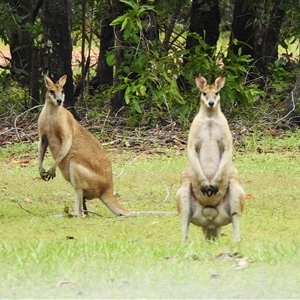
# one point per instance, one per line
(44, 254)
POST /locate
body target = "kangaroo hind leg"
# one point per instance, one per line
(79, 204)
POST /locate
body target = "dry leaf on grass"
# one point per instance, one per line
(250, 197)
(63, 282)
(17, 162)
(242, 263)
(171, 259)
(228, 256)
(28, 200)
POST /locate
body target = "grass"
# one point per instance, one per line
(46, 255)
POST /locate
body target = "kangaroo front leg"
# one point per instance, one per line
(64, 149)
(43, 145)
(226, 157)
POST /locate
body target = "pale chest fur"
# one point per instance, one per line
(209, 134)
(56, 129)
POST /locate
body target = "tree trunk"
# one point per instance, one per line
(242, 29)
(267, 39)
(169, 27)
(34, 86)
(104, 72)
(262, 36)
(56, 21)
(118, 101)
(21, 42)
(205, 20)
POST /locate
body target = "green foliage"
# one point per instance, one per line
(151, 72)
(12, 96)
(280, 80)
(211, 63)
(131, 22)
(150, 76)
(8, 19)
(291, 28)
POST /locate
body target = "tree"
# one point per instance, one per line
(24, 55)
(118, 101)
(104, 72)
(20, 40)
(205, 20)
(257, 25)
(148, 47)
(57, 56)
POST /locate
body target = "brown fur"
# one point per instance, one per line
(210, 194)
(77, 153)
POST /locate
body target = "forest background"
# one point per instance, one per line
(138, 59)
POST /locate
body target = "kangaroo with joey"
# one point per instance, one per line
(210, 194)
(77, 153)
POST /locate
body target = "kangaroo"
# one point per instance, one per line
(210, 194)
(77, 153)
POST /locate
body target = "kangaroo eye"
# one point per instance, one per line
(217, 93)
(204, 94)
(52, 92)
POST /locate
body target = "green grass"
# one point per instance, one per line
(46, 255)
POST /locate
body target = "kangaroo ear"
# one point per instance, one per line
(48, 81)
(62, 80)
(200, 82)
(219, 82)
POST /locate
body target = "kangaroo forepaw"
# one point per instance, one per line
(47, 175)
(214, 189)
(209, 190)
(44, 175)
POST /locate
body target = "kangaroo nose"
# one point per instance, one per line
(211, 103)
(59, 101)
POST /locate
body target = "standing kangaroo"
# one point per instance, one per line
(78, 154)
(210, 194)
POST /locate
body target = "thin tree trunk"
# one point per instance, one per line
(104, 76)
(118, 101)
(34, 78)
(56, 21)
(21, 41)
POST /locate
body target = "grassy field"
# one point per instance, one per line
(45, 255)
